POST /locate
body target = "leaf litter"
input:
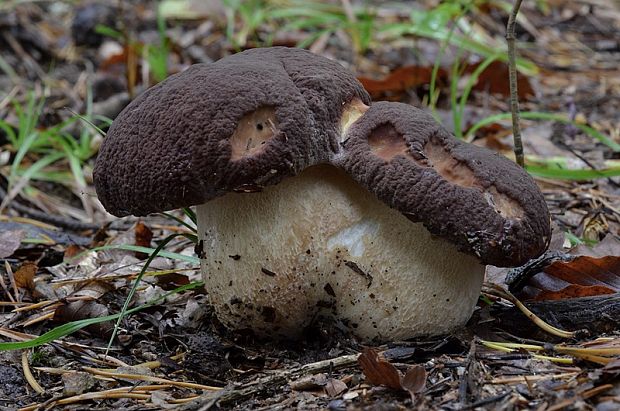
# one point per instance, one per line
(174, 354)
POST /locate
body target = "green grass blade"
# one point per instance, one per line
(10, 133)
(190, 214)
(569, 174)
(124, 310)
(181, 222)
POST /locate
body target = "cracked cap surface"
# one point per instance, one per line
(238, 124)
(476, 198)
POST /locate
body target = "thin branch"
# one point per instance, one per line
(514, 97)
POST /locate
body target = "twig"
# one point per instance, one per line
(464, 383)
(254, 388)
(9, 273)
(3, 284)
(512, 73)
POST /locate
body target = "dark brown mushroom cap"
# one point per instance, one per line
(238, 124)
(476, 198)
(257, 117)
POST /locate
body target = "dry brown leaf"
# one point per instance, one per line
(80, 310)
(493, 80)
(582, 277)
(143, 238)
(88, 307)
(588, 271)
(378, 371)
(71, 251)
(400, 80)
(77, 382)
(593, 271)
(414, 380)
(24, 276)
(608, 246)
(309, 382)
(171, 281)
(612, 368)
(10, 241)
(573, 291)
(335, 387)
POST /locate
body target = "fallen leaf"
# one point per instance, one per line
(400, 80)
(309, 382)
(24, 276)
(379, 371)
(10, 242)
(172, 280)
(335, 387)
(350, 395)
(143, 238)
(581, 277)
(39, 233)
(88, 307)
(589, 271)
(71, 251)
(494, 80)
(80, 310)
(573, 291)
(414, 380)
(612, 368)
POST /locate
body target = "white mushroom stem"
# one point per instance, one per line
(319, 244)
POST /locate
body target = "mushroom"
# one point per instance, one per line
(313, 202)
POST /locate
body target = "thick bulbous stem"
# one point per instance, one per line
(319, 244)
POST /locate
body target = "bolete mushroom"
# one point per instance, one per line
(310, 201)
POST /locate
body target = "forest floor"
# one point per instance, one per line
(65, 260)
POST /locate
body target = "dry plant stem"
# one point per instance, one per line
(524, 378)
(149, 378)
(28, 374)
(9, 273)
(512, 73)
(496, 290)
(3, 284)
(125, 392)
(34, 306)
(508, 347)
(26, 220)
(47, 316)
